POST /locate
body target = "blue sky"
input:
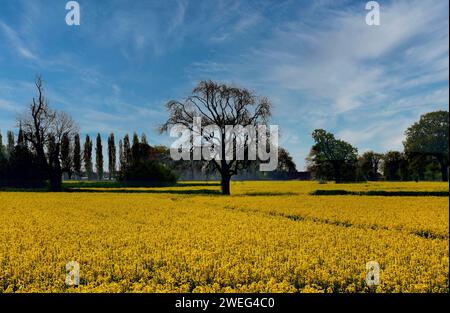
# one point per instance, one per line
(318, 62)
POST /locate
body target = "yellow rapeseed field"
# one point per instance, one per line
(266, 237)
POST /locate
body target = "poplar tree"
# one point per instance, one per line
(77, 156)
(135, 148)
(66, 157)
(87, 157)
(10, 143)
(1, 147)
(126, 150)
(99, 157)
(21, 139)
(121, 156)
(111, 156)
(144, 139)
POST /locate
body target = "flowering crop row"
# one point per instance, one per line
(168, 242)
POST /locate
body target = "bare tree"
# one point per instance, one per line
(45, 128)
(220, 105)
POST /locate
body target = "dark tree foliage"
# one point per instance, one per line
(111, 156)
(122, 162)
(144, 139)
(147, 173)
(99, 157)
(286, 165)
(22, 168)
(285, 162)
(127, 157)
(332, 158)
(10, 145)
(44, 129)
(1, 146)
(135, 148)
(423, 167)
(145, 168)
(66, 156)
(189, 170)
(429, 137)
(395, 166)
(87, 158)
(369, 164)
(21, 139)
(77, 156)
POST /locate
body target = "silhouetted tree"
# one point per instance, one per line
(77, 156)
(135, 148)
(220, 105)
(392, 161)
(429, 136)
(285, 162)
(369, 164)
(22, 169)
(111, 156)
(10, 144)
(87, 157)
(21, 139)
(405, 172)
(144, 139)
(66, 155)
(44, 128)
(285, 166)
(99, 157)
(2, 148)
(329, 153)
(145, 168)
(127, 157)
(418, 164)
(122, 163)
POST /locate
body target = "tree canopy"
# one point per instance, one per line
(429, 136)
(329, 153)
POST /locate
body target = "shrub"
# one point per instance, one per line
(147, 173)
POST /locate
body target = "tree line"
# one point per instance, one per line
(425, 155)
(75, 159)
(48, 147)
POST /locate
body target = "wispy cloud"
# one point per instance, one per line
(6, 105)
(318, 62)
(350, 64)
(16, 42)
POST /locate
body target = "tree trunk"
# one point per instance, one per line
(444, 165)
(225, 183)
(337, 174)
(444, 173)
(55, 182)
(421, 173)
